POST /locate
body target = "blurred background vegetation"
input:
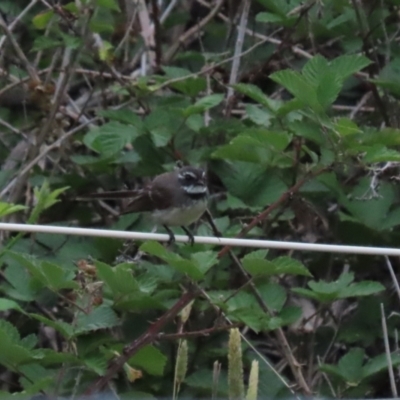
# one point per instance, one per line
(291, 106)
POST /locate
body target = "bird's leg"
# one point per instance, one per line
(171, 235)
(190, 234)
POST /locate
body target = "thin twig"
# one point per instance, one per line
(17, 19)
(238, 48)
(21, 55)
(388, 354)
(393, 276)
(285, 196)
(192, 31)
(28, 167)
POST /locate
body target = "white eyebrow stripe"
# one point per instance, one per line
(187, 173)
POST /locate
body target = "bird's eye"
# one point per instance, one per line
(189, 176)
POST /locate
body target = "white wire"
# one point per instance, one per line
(268, 244)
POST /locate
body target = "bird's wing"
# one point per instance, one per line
(153, 197)
(120, 194)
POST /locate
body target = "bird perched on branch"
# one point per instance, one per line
(176, 198)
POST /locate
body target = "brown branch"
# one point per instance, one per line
(285, 196)
(146, 338)
(192, 31)
(29, 69)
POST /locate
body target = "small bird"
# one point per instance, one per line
(176, 198)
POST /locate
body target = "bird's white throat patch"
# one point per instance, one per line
(195, 189)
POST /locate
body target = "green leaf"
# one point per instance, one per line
(281, 265)
(314, 69)
(119, 278)
(65, 329)
(185, 266)
(252, 183)
(150, 359)
(256, 94)
(256, 145)
(350, 366)
(44, 43)
(205, 260)
(96, 363)
(125, 116)
(45, 198)
(203, 104)
(298, 87)
(347, 65)
(274, 295)
(101, 317)
(364, 288)
(258, 115)
(110, 4)
(7, 304)
(191, 85)
(328, 89)
(379, 364)
(379, 153)
(40, 21)
(110, 138)
(6, 208)
(57, 277)
(163, 125)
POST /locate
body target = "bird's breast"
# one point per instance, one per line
(179, 216)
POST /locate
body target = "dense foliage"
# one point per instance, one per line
(293, 109)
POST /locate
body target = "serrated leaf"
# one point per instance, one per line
(57, 277)
(298, 87)
(314, 69)
(281, 265)
(347, 65)
(124, 116)
(51, 357)
(44, 42)
(256, 94)
(65, 329)
(379, 364)
(309, 294)
(259, 146)
(110, 138)
(205, 260)
(40, 21)
(364, 288)
(328, 89)
(185, 266)
(6, 208)
(96, 363)
(256, 254)
(150, 359)
(31, 264)
(258, 115)
(203, 104)
(119, 278)
(350, 366)
(101, 317)
(379, 153)
(273, 294)
(346, 127)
